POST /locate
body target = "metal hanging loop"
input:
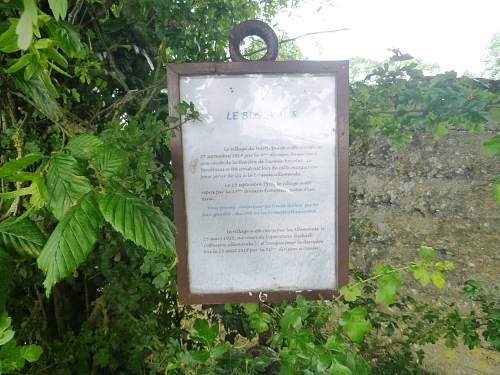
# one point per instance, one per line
(248, 28)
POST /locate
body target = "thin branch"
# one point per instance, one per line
(74, 13)
(129, 96)
(118, 76)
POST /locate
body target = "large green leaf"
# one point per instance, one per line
(24, 27)
(138, 221)
(71, 242)
(65, 184)
(353, 323)
(84, 146)
(21, 237)
(111, 161)
(388, 287)
(16, 165)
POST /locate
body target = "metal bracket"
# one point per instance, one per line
(248, 28)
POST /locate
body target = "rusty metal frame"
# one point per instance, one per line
(340, 71)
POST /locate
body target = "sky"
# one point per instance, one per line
(452, 33)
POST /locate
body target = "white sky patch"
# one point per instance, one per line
(452, 33)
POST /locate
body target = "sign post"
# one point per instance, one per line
(261, 179)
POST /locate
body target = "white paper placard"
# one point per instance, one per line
(259, 175)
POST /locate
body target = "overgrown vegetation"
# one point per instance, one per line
(87, 267)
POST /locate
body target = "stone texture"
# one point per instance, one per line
(436, 193)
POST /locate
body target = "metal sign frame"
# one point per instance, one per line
(339, 69)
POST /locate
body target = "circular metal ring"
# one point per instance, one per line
(248, 28)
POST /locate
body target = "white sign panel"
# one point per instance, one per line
(259, 178)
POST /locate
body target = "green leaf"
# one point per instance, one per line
(41, 96)
(336, 343)
(67, 38)
(472, 288)
(18, 193)
(57, 57)
(8, 40)
(19, 63)
(22, 176)
(47, 81)
(65, 184)
(30, 70)
(421, 274)
(24, 27)
(228, 307)
(37, 199)
(5, 322)
(205, 331)
(339, 369)
(21, 237)
(292, 319)
(444, 266)
(59, 8)
(438, 279)
(43, 43)
(351, 292)
(259, 321)
(71, 241)
(218, 351)
(59, 70)
(84, 146)
(6, 334)
(161, 279)
(11, 357)
(492, 145)
(138, 221)
(16, 165)
(250, 308)
(426, 252)
(111, 161)
(354, 324)
(31, 353)
(388, 286)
